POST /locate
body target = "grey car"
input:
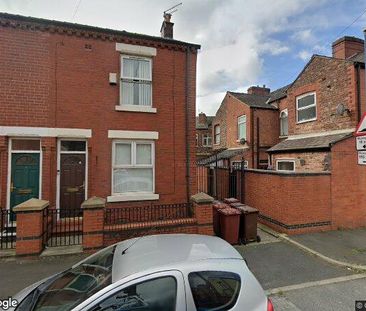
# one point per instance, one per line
(156, 272)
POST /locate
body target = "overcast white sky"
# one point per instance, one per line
(244, 42)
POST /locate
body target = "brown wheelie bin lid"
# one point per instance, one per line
(229, 211)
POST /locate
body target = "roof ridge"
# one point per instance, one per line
(43, 24)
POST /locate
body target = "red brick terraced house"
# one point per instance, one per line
(321, 107)
(317, 182)
(87, 111)
(245, 127)
(203, 136)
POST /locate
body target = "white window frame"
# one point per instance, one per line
(197, 137)
(240, 123)
(138, 194)
(285, 160)
(281, 130)
(218, 134)
(307, 107)
(135, 108)
(205, 139)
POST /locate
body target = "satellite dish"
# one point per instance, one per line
(341, 109)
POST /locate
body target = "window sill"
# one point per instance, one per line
(282, 136)
(135, 108)
(306, 121)
(133, 197)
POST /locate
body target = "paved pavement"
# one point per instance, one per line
(343, 245)
(20, 273)
(282, 264)
(332, 297)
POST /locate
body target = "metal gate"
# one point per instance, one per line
(221, 181)
(62, 228)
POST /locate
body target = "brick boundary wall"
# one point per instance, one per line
(30, 227)
(348, 186)
(96, 234)
(292, 203)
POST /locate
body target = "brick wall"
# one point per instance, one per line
(203, 151)
(333, 80)
(290, 203)
(227, 116)
(49, 79)
(306, 161)
(348, 186)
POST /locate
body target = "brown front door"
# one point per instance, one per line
(72, 184)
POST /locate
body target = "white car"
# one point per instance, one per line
(158, 272)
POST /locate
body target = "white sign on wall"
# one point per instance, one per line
(361, 142)
(362, 157)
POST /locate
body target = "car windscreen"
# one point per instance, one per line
(75, 285)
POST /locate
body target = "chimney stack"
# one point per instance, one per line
(202, 118)
(346, 47)
(166, 29)
(258, 90)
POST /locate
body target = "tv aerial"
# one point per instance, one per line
(173, 9)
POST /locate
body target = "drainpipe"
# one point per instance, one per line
(358, 98)
(252, 134)
(258, 142)
(188, 147)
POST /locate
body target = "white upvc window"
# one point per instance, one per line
(136, 81)
(284, 123)
(133, 168)
(197, 137)
(306, 107)
(217, 134)
(206, 140)
(242, 127)
(287, 165)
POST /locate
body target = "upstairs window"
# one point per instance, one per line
(284, 123)
(217, 134)
(206, 140)
(136, 80)
(197, 137)
(242, 127)
(306, 107)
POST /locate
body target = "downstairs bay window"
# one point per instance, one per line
(133, 170)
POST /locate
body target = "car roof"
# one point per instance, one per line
(163, 250)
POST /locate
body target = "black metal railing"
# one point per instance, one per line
(7, 230)
(131, 215)
(62, 227)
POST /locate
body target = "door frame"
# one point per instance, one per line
(58, 174)
(10, 156)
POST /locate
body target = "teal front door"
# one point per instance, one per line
(24, 178)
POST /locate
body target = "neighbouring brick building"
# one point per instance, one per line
(322, 106)
(203, 136)
(87, 111)
(245, 126)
